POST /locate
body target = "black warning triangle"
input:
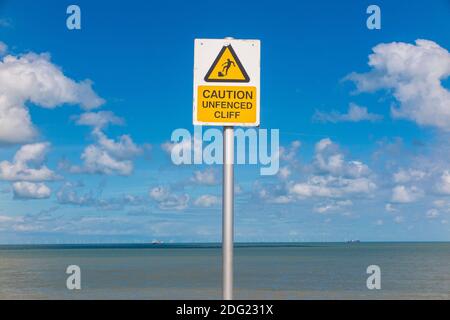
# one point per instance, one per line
(227, 67)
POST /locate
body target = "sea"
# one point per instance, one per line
(193, 271)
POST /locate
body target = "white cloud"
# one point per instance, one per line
(332, 206)
(276, 194)
(66, 196)
(124, 148)
(332, 187)
(159, 193)
(284, 172)
(289, 157)
(441, 203)
(403, 176)
(399, 219)
(4, 219)
(99, 120)
(191, 147)
(107, 156)
(207, 200)
(332, 177)
(390, 208)
(280, 199)
(403, 194)
(414, 74)
(329, 160)
(27, 165)
(379, 222)
(167, 200)
(443, 185)
(3, 48)
(323, 144)
(73, 194)
(206, 177)
(355, 113)
(29, 190)
(288, 154)
(33, 78)
(97, 160)
(432, 214)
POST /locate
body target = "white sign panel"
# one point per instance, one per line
(226, 82)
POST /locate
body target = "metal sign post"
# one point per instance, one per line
(226, 94)
(227, 212)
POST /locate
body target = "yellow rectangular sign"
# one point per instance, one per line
(227, 104)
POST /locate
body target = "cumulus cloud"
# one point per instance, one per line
(413, 73)
(99, 120)
(159, 193)
(289, 154)
(28, 165)
(272, 193)
(168, 200)
(98, 160)
(332, 206)
(404, 194)
(124, 148)
(73, 194)
(189, 147)
(4, 219)
(443, 185)
(432, 214)
(3, 48)
(8, 222)
(355, 113)
(276, 199)
(207, 200)
(34, 78)
(68, 194)
(106, 156)
(331, 176)
(328, 159)
(333, 187)
(403, 176)
(206, 177)
(30, 190)
(441, 203)
(284, 172)
(390, 208)
(399, 219)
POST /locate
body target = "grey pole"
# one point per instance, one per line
(227, 212)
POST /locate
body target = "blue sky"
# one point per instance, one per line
(333, 110)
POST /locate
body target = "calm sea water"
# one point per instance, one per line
(290, 271)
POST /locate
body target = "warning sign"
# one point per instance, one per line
(226, 104)
(227, 68)
(226, 82)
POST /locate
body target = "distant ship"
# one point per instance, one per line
(353, 241)
(157, 242)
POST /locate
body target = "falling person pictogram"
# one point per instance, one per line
(226, 66)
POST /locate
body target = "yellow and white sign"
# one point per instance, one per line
(226, 82)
